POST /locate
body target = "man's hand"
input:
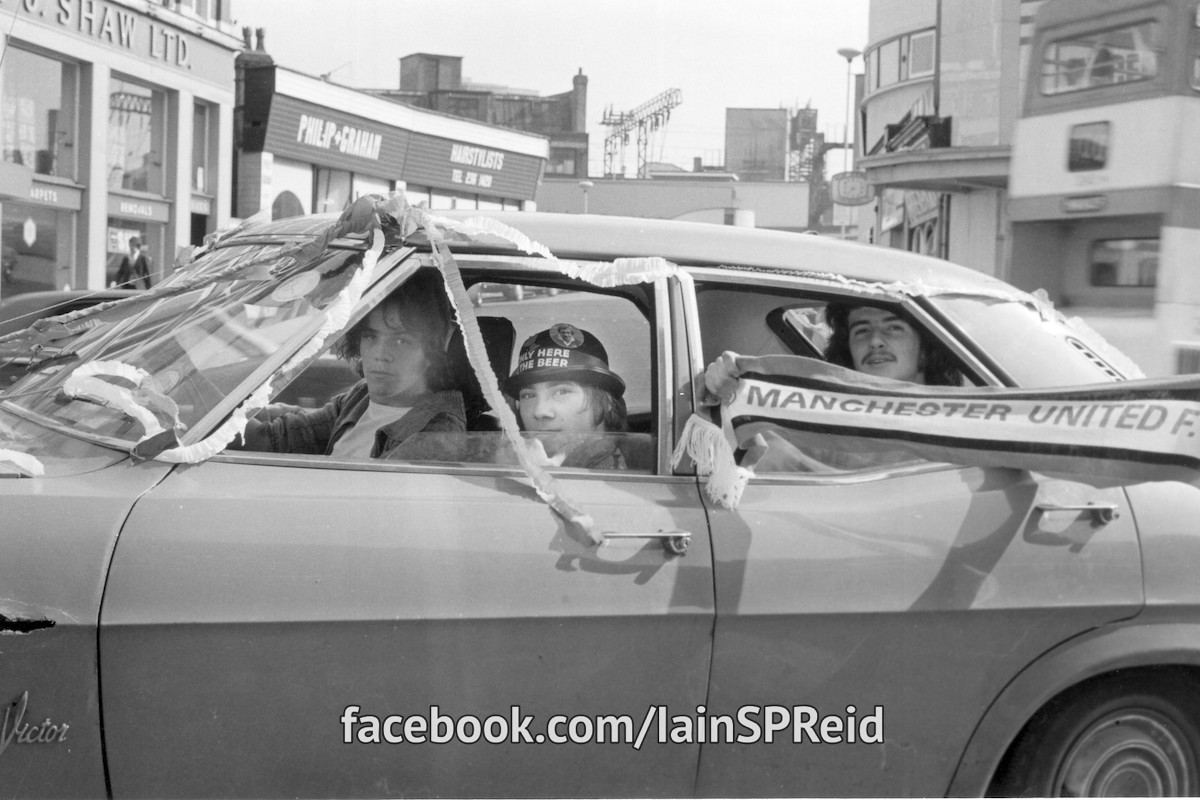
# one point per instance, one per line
(721, 380)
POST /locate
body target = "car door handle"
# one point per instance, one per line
(674, 542)
(1102, 513)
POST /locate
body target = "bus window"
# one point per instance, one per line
(1196, 52)
(1124, 262)
(1118, 55)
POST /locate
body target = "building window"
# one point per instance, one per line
(904, 58)
(201, 8)
(1088, 147)
(200, 146)
(417, 195)
(467, 107)
(367, 184)
(1127, 263)
(921, 54)
(331, 190)
(1196, 51)
(38, 100)
(136, 137)
(37, 245)
(889, 63)
(561, 162)
(151, 235)
(441, 200)
(1102, 58)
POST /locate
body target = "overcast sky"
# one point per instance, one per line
(728, 54)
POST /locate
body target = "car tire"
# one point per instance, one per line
(1132, 734)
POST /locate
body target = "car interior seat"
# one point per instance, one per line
(499, 337)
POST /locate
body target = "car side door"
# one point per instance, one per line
(866, 618)
(285, 625)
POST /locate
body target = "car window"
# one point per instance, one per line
(620, 319)
(1035, 346)
(187, 354)
(510, 311)
(759, 321)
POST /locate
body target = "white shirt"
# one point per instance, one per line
(359, 440)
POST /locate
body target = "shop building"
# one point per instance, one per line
(435, 82)
(940, 98)
(306, 145)
(115, 121)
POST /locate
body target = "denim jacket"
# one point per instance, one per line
(316, 430)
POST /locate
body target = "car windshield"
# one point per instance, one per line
(226, 324)
(1033, 344)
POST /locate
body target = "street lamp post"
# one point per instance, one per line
(848, 53)
(585, 185)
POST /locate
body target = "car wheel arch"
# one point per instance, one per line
(1133, 645)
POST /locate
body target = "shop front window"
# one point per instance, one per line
(136, 137)
(38, 100)
(331, 190)
(1124, 262)
(366, 184)
(200, 128)
(417, 195)
(150, 236)
(37, 243)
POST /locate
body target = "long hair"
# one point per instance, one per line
(938, 366)
(421, 307)
(607, 409)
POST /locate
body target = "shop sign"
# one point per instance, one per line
(315, 134)
(891, 209)
(138, 208)
(851, 189)
(920, 206)
(65, 197)
(329, 135)
(470, 167)
(121, 28)
(1085, 204)
(201, 205)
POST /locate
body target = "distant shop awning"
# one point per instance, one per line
(942, 169)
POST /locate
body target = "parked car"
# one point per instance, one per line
(190, 620)
(491, 292)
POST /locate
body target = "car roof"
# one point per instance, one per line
(692, 244)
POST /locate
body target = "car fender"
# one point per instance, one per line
(54, 561)
(1166, 514)
(1134, 643)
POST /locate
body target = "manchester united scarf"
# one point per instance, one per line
(1127, 432)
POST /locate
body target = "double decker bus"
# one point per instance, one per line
(1104, 191)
